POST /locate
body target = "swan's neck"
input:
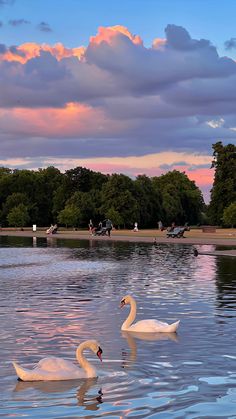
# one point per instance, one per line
(84, 363)
(132, 314)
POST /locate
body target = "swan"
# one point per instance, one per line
(147, 326)
(55, 369)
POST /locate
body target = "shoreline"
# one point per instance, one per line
(222, 237)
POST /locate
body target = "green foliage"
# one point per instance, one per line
(69, 216)
(149, 201)
(18, 216)
(14, 200)
(118, 193)
(80, 194)
(223, 192)
(83, 180)
(117, 219)
(84, 202)
(229, 215)
(181, 199)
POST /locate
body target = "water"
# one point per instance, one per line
(55, 294)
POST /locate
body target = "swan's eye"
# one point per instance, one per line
(122, 303)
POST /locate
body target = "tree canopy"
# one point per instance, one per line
(72, 198)
(223, 192)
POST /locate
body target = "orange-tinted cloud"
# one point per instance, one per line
(108, 34)
(158, 43)
(74, 120)
(29, 50)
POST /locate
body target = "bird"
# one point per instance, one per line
(195, 252)
(148, 325)
(56, 369)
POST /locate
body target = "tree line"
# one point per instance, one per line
(73, 198)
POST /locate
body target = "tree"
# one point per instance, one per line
(69, 216)
(181, 199)
(84, 202)
(79, 179)
(47, 183)
(223, 192)
(18, 216)
(229, 215)
(14, 200)
(119, 193)
(149, 201)
(116, 218)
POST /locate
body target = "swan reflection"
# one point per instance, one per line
(90, 402)
(131, 340)
(150, 336)
(47, 386)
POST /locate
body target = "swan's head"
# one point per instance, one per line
(95, 347)
(125, 300)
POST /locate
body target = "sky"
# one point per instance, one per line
(128, 86)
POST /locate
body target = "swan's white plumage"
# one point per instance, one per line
(55, 369)
(147, 326)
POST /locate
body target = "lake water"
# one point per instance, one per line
(55, 294)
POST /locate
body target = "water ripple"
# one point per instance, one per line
(53, 297)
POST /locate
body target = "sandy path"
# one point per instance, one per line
(222, 237)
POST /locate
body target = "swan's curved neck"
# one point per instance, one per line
(84, 363)
(132, 314)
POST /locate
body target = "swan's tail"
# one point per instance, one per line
(21, 373)
(172, 327)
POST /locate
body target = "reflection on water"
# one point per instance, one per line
(226, 283)
(55, 294)
(129, 359)
(81, 388)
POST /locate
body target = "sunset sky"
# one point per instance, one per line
(128, 86)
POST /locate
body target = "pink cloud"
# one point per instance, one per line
(108, 35)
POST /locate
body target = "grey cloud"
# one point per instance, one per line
(1, 24)
(191, 168)
(13, 49)
(146, 71)
(43, 81)
(230, 44)
(18, 22)
(44, 27)
(179, 38)
(158, 99)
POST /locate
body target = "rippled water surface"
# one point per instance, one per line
(55, 294)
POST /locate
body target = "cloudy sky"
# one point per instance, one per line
(131, 86)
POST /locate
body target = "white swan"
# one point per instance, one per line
(55, 369)
(147, 326)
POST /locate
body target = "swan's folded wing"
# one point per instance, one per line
(153, 326)
(53, 364)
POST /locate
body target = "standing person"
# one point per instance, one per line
(136, 226)
(90, 224)
(160, 225)
(109, 226)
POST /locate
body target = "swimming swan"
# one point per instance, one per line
(55, 369)
(147, 326)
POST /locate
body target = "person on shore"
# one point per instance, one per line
(160, 225)
(108, 226)
(97, 228)
(90, 225)
(136, 226)
(172, 227)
